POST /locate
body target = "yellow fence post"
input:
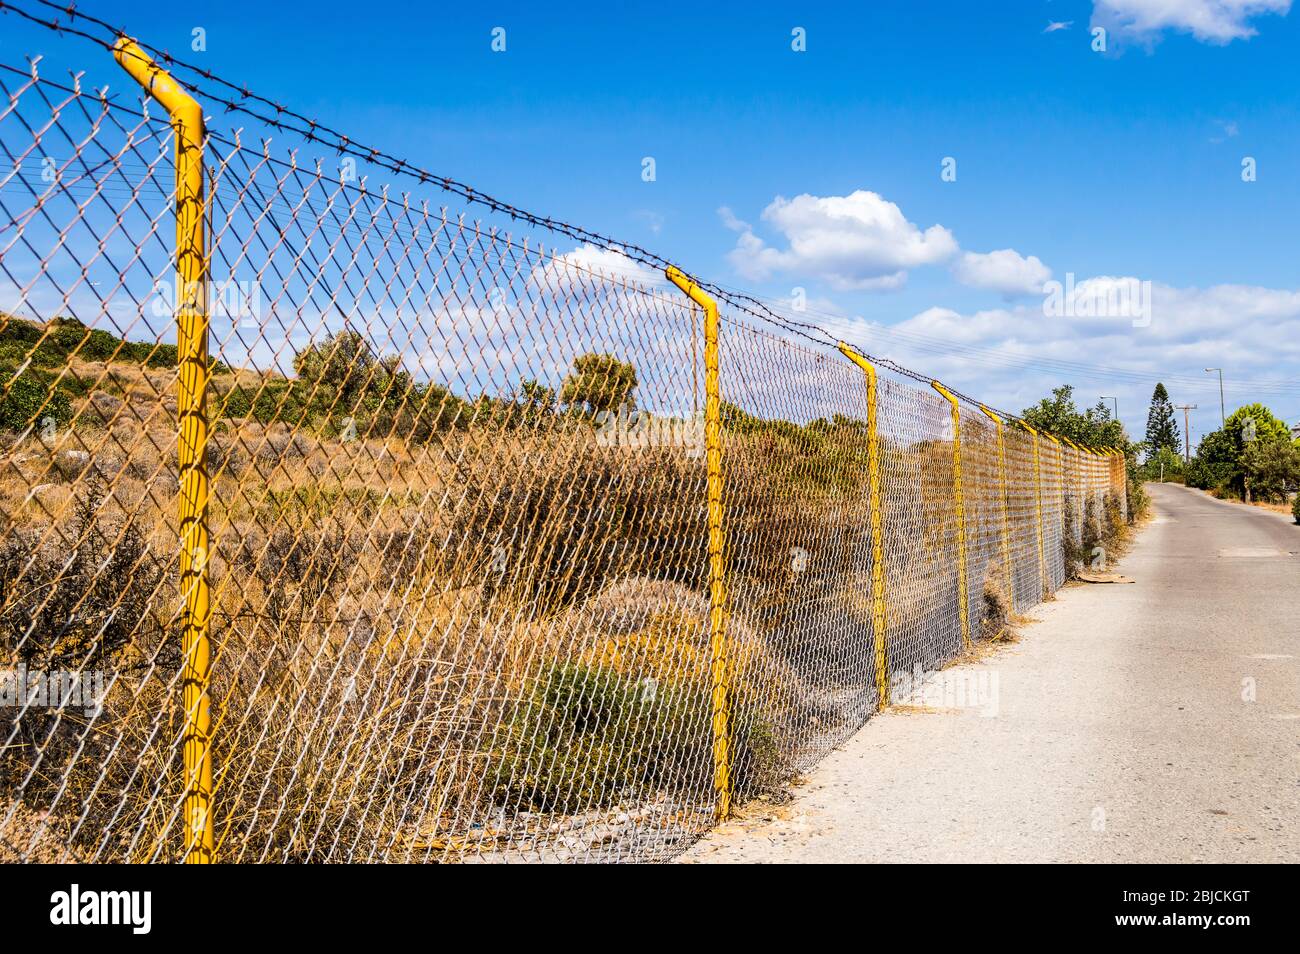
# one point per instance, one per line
(1038, 522)
(963, 591)
(879, 620)
(1006, 520)
(717, 568)
(192, 379)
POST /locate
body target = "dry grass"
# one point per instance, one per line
(368, 653)
(413, 638)
(1284, 508)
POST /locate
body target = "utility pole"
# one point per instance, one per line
(1187, 432)
(1223, 420)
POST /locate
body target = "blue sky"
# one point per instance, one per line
(1123, 163)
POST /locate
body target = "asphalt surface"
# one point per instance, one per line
(1157, 721)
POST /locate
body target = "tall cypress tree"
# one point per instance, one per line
(1162, 425)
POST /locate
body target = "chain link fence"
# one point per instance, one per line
(395, 537)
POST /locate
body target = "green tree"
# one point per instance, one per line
(1166, 461)
(339, 366)
(1270, 468)
(342, 382)
(536, 398)
(1162, 425)
(1268, 426)
(1059, 415)
(1220, 462)
(600, 382)
(1218, 447)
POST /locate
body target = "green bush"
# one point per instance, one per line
(277, 399)
(1295, 507)
(152, 354)
(1270, 468)
(97, 345)
(19, 331)
(33, 393)
(589, 736)
(14, 354)
(31, 399)
(1208, 476)
(164, 356)
(1164, 463)
(53, 343)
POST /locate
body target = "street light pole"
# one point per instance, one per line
(1107, 397)
(1223, 419)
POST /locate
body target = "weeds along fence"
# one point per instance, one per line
(337, 527)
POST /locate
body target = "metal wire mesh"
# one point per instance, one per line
(460, 567)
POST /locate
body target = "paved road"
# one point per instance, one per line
(1124, 730)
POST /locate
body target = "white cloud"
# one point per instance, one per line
(859, 241)
(1058, 25)
(730, 221)
(589, 264)
(1210, 21)
(1238, 323)
(1252, 332)
(1005, 271)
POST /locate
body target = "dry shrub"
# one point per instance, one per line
(31, 837)
(625, 712)
(1103, 526)
(1114, 528)
(349, 698)
(90, 595)
(995, 620)
(548, 519)
(1075, 548)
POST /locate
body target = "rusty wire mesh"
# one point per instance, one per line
(460, 559)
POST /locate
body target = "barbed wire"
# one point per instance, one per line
(287, 119)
